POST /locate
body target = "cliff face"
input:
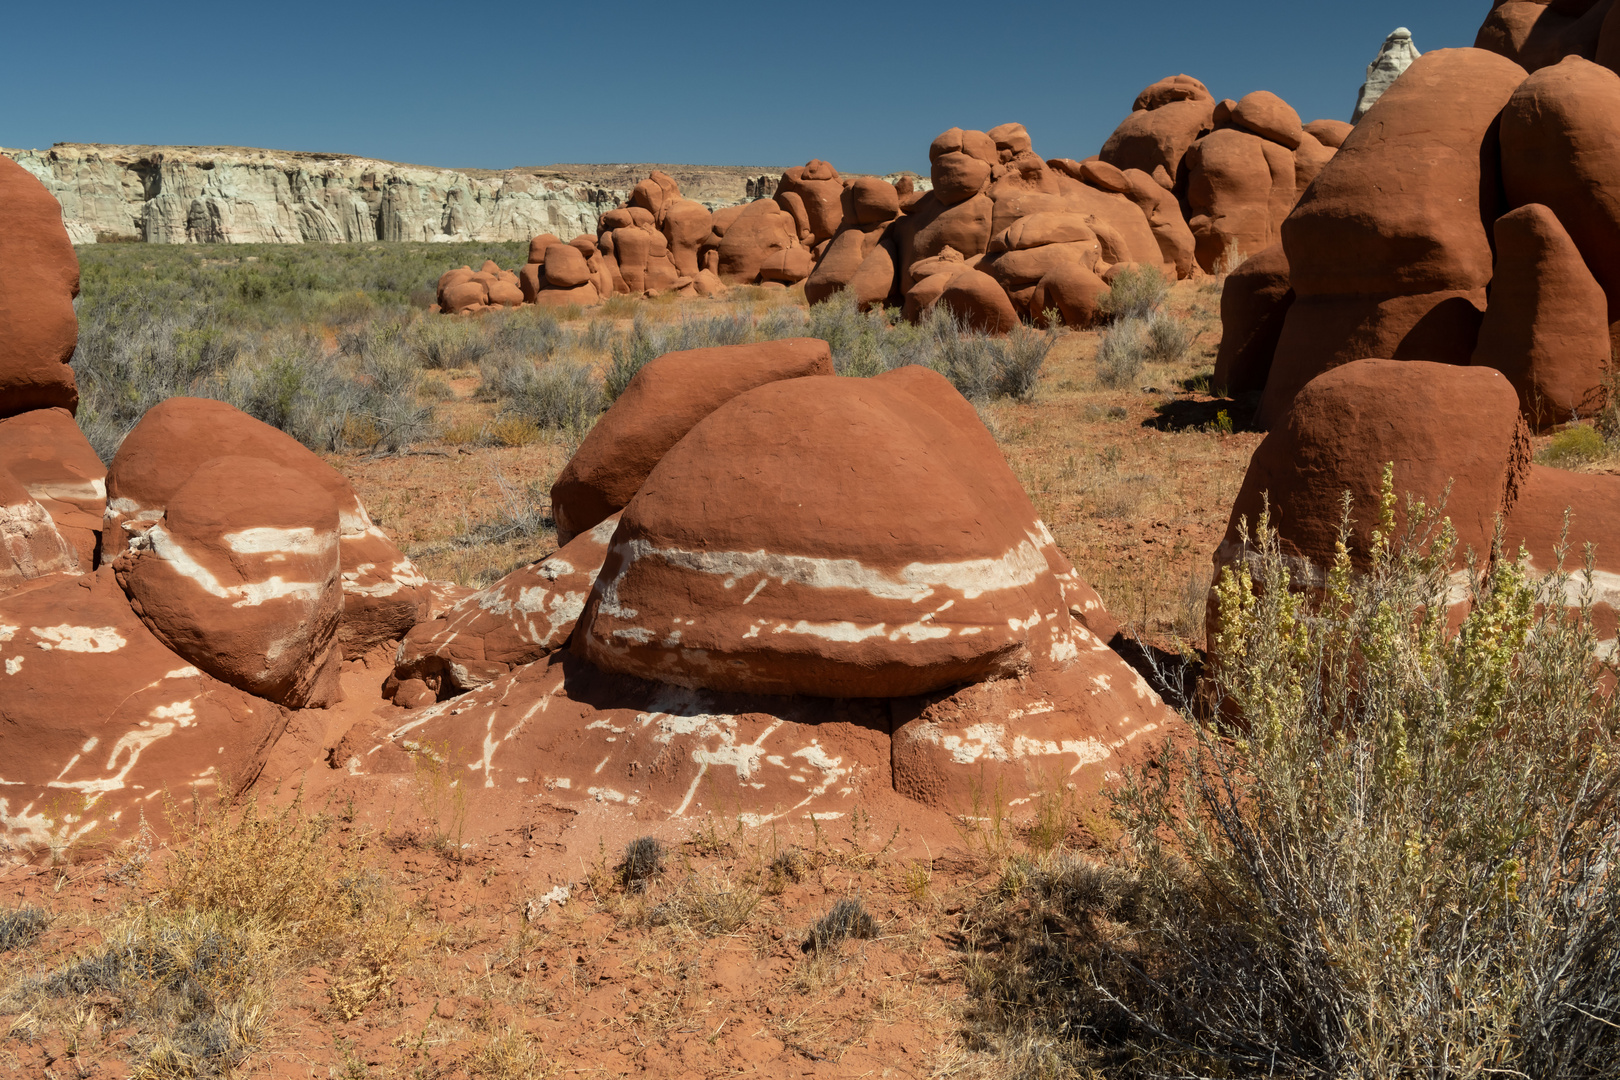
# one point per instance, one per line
(180, 195)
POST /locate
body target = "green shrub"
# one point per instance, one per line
(1135, 293)
(1575, 445)
(1167, 338)
(1398, 860)
(1121, 353)
(562, 395)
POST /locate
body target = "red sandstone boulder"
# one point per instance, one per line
(565, 267)
(537, 249)
(47, 453)
(1441, 425)
(1547, 325)
(30, 545)
(1177, 245)
(1330, 133)
(978, 301)
(1158, 138)
(1561, 148)
(662, 403)
(871, 201)
(1387, 251)
(931, 227)
(821, 192)
(1240, 187)
(382, 590)
(1590, 504)
(241, 577)
(1537, 34)
(686, 226)
(751, 237)
(1270, 117)
(728, 573)
(40, 275)
(1073, 291)
(1172, 88)
(513, 622)
(97, 717)
(1254, 303)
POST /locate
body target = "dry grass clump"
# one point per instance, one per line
(248, 898)
(1400, 863)
(643, 860)
(848, 918)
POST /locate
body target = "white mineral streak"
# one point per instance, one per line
(85, 639)
(197, 195)
(265, 540)
(247, 594)
(989, 741)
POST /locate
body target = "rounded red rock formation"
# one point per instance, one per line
(1441, 425)
(729, 573)
(979, 302)
(1387, 251)
(30, 545)
(565, 267)
(382, 590)
(662, 403)
(1169, 89)
(40, 275)
(1561, 148)
(96, 715)
(821, 192)
(1269, 116)
(1547, 325)
(1254, 302)
(1240, 187)
(1073, 291)
(761, 230)
(48, 454)
(1158, 138)
(1575, 512)
(241, 577)
(1330, 133)
(515, 621)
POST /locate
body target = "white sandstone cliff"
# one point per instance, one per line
(179, 195)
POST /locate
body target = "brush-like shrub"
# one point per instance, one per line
(1135, 293)
(1397, 861)
(848, 918)
(1575, 445)
(643, 860)
(1121, 354)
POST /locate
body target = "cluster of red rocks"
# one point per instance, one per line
(1448, 284)
(157, 617)
(1185, 183)
(779, 590)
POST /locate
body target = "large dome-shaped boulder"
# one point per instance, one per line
(1254, 303)
(1158, 138)
(40, 274)
(241, 577)
(729, 572)
(662, 403)
(1441, 426)
(48, 454)
(1388, 251)
(1561, 149)
(98, 718)
(382, 590)
(1547, 326)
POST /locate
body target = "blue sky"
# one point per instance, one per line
(863, 85)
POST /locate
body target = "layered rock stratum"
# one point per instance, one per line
(232, 194)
